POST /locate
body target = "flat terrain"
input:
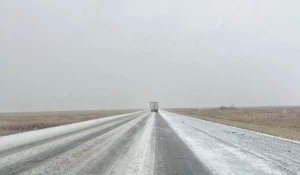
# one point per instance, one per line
(278, 121)
(11, 123)
(141, 143)
(147, 143)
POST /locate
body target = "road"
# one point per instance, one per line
(146, 143)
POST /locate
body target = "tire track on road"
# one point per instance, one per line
(112, 159)
(219, 139)
(33, 161)
(13, 150)
(172, 154)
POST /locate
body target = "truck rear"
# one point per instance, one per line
(154, 106)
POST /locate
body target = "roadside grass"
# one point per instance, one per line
(278, 121)
(11, 123)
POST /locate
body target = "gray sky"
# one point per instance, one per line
(71, 54)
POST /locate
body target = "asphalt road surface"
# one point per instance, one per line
(141, 143)
(138, 143)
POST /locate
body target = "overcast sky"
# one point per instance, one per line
(105, 54)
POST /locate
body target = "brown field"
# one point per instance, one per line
(11, 123)
(278, 121)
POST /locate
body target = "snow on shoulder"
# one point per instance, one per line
(11, 141)
(228, 150)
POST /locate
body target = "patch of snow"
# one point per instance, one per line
(35, 150)
(19, 139)
(77, 160)
(142, 160)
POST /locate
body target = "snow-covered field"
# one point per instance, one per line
(229, 150)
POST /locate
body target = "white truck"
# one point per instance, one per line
(154, 106)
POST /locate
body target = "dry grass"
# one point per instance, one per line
(278, 121)
(11, 123)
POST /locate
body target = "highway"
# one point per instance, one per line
(145, 143)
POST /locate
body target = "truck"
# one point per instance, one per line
(154, 107)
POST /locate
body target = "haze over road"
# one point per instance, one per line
(147, 143)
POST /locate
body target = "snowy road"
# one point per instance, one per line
(147, 143)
